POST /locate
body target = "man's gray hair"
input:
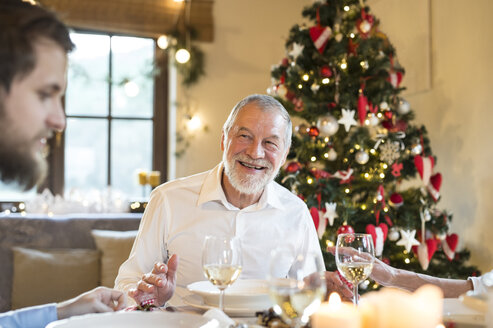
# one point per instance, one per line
(265, 103)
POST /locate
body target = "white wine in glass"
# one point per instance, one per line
(222, 262)
(355, 256)
(298, 295)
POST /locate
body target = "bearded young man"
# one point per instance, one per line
(33, 61)
(239, 197)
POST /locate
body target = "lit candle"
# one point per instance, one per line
(142, 178)
(154, 178)
(336, 314)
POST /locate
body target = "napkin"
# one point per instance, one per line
(223, 321)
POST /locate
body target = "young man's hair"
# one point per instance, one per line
(21, 25)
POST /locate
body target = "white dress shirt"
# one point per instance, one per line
(182, 212)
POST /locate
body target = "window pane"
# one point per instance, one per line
(131, 143)
(133, 81)
(86, 149)
(12, 192)
(87, 87)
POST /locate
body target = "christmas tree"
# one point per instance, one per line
(356, 144)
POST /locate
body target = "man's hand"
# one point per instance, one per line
(159, 284)
(98, 300)
(335, 284)
(382, 273)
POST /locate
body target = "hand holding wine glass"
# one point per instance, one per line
(222, 262)
(298, 295)
(355, 255)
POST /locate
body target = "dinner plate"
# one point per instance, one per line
(197, 302)
(133, 319)
(244, 293)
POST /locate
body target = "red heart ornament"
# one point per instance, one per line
(425, 252)
(379, 234)
(434, 186)
(320, 35)
(449, 244)
(395, 78)
(315, 216)
(424, 165)
(362, 108)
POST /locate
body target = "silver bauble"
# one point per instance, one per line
(362, 157)
(403, 107)
(416, 149)
(332, 155)
(327, 125)
(394, 234)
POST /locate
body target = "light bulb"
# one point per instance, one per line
(182, 56)
(194, 123)
(162, 42)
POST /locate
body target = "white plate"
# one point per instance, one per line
(197, 302)
(454, 310)
(244, 293)
(133, 319)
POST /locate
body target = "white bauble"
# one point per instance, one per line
(394, 234)
(362, 157)
(404, 107)
(282, 91)
(332, 155)
(374, 120)
(384, 105)
(327, 125)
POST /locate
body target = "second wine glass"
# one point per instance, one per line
(355, 255)
(222, 262)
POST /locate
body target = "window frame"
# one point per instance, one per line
(55, 179)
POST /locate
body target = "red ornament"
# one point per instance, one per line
(395, 78)
(325, 71)
(400, 125)
(352, 47)
(362, 107)
(313, 132)
(320, 36)
(425, 252)
(285, 62)
(396, 200)
(396, 169)
(298, 104)
(345, 228)
(378, 234)
(293, 167)
(424, 165)
(449, 245)
(315, 216)
(388, 114)
(434, 186)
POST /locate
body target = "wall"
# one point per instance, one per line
(446, 47)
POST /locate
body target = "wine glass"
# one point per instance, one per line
(355, 255)
(299, 294)
(221, 261)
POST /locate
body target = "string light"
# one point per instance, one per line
(163, 42)
(313, 158)
(325, 80)
(373, 151)
(382, 175)
(345, 160)
(346, 8)
(386, 209)
(306, 77)
(309, 180)
(352, 35)
(385, 166)
(357, 147)
(363, 207)
(326, 155)
(367, 175)
(300, 86)
(347, 190)
(343, 64)
(407, 261)
(182, 56)
(326, 139)
(379, 115)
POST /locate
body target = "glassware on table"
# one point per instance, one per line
(355, 255)
(222, 262)
(298, 295)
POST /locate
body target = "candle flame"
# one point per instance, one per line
(334, 301)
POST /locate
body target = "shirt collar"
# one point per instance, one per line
(212, 191)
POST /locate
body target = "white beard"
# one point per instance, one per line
(248, 184)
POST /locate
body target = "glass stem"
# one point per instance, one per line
(221, 299)
(355, 294)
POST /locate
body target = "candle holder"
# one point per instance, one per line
(142, 175)
(154, 179)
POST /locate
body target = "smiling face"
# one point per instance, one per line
(29, 113)
(254, 149)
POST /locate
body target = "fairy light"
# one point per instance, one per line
(163, 42)
(343, 64)
(385, 166)
(367, 175)
(379, 115)
(352, 35)
(329, 243)
(375, 200)
(326, 139)
(363, 207)
(313, 158)
(305, 77)
(373, 151)
(407, 261)
(367, 122)
(382, 175)
(357, 147)
(345, 160)
(347, 190)
(309, 180)
(385, 209)
(326, 80)
(346, 8)
(300, 86)
(326, 155)
(351, 151)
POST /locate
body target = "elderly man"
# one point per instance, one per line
(237, 198)
(33, 60)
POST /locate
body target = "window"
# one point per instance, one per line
(116, 111)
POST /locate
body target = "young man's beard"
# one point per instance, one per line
(21, 166)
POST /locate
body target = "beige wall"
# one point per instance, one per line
(446, 47)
